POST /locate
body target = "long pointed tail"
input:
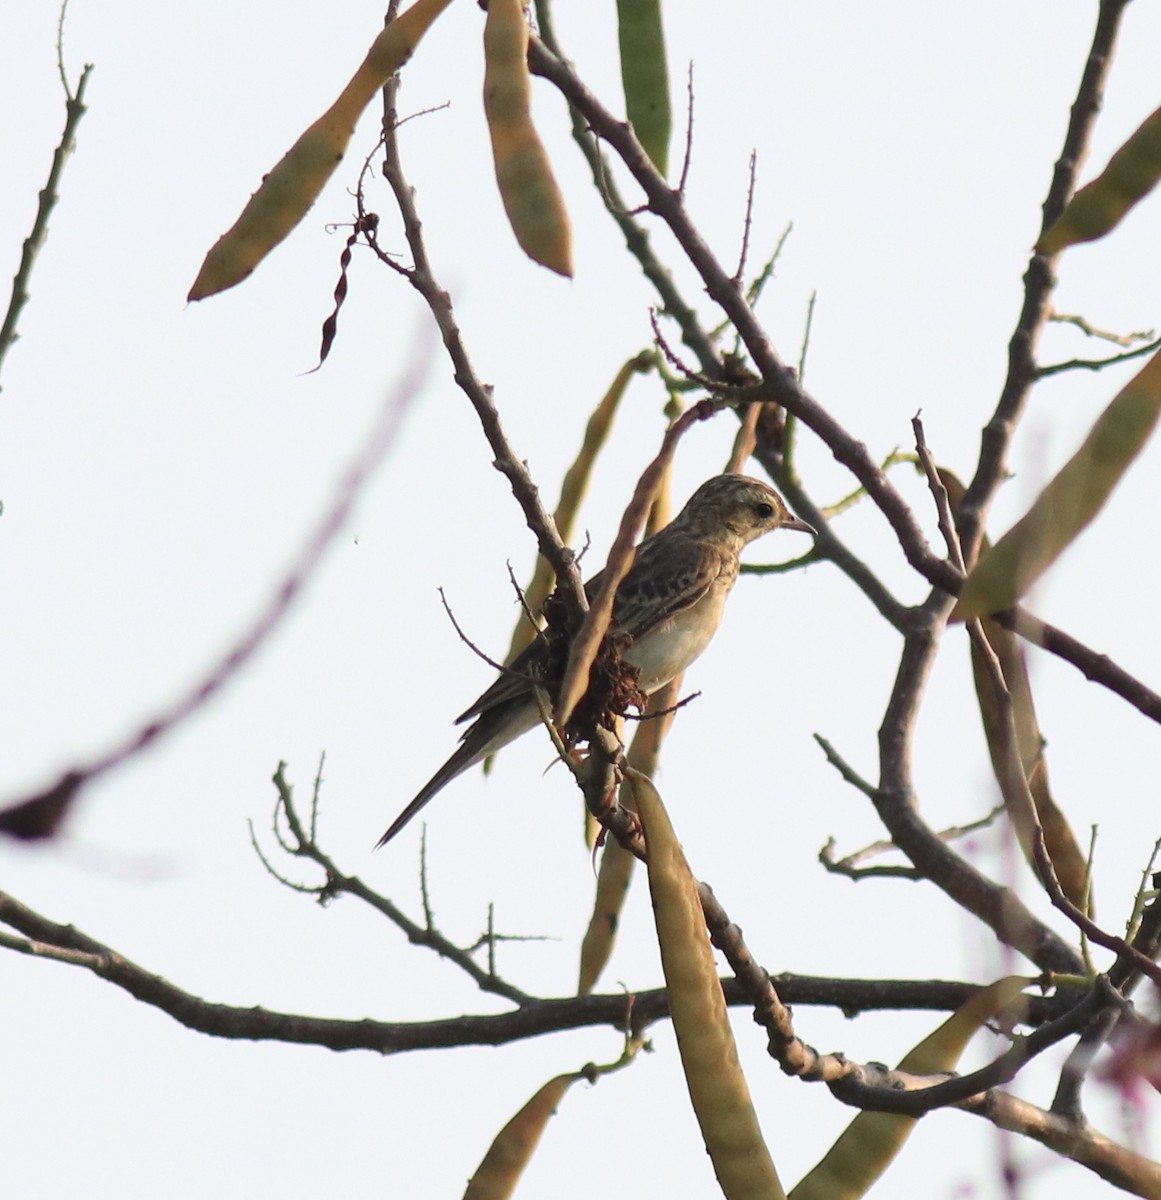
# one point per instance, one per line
(404, 817)
(493, 729)
(450, 769)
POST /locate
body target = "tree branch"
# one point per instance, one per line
(74, 110)
(68, 944)
(1039, 282)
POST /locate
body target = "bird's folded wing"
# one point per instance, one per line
(668, 576)
(664, 580)
(514, 683)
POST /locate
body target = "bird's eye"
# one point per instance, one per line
(764, 510)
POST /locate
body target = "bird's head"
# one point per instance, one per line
(739, 506)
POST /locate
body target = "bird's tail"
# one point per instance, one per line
(459, 762)
(501, 724)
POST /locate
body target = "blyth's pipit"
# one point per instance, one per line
(669, 604)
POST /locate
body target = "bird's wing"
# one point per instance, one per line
(667, 576)
(528, 663)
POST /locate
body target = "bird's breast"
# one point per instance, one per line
(668, 648)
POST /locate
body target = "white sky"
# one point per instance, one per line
(161, 464)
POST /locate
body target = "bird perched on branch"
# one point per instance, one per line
(667, 609)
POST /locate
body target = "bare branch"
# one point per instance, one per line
(1096, 364)
(74, 110)
(338, 883)
(778, 379)
(507, 461)
(1039, 282)
(67, 944)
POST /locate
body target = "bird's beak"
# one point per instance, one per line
(793, 522)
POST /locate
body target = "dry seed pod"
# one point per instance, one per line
(645, 76)
(616, 869)
(1133, 172)
(1059, 840)
(498, 1174)
(1068, 504)
(287, 193)
(866, 1147)
(717, 1087)
(531, 197)
(1064, 852)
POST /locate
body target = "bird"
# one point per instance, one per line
(669, 605)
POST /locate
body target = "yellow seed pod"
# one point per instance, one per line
(287, 193)
(645, 76)
(531, 197)
(1071, 500)
(613, 879)
(1099, 206)
(616, 870)
(499, 1172)
(709, 1056)
(866, 1147)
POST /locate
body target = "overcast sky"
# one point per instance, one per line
(162, 464)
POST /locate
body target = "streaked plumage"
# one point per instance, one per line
(670, 604)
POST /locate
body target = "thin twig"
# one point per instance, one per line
(687, 157)
(74, 110)
(1104, 335)
(790, 432)
(506, 460)
(1096, 364)
(942, 504)
(849, 866)
(1039, 282)
(747, 224)
(840, 764)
